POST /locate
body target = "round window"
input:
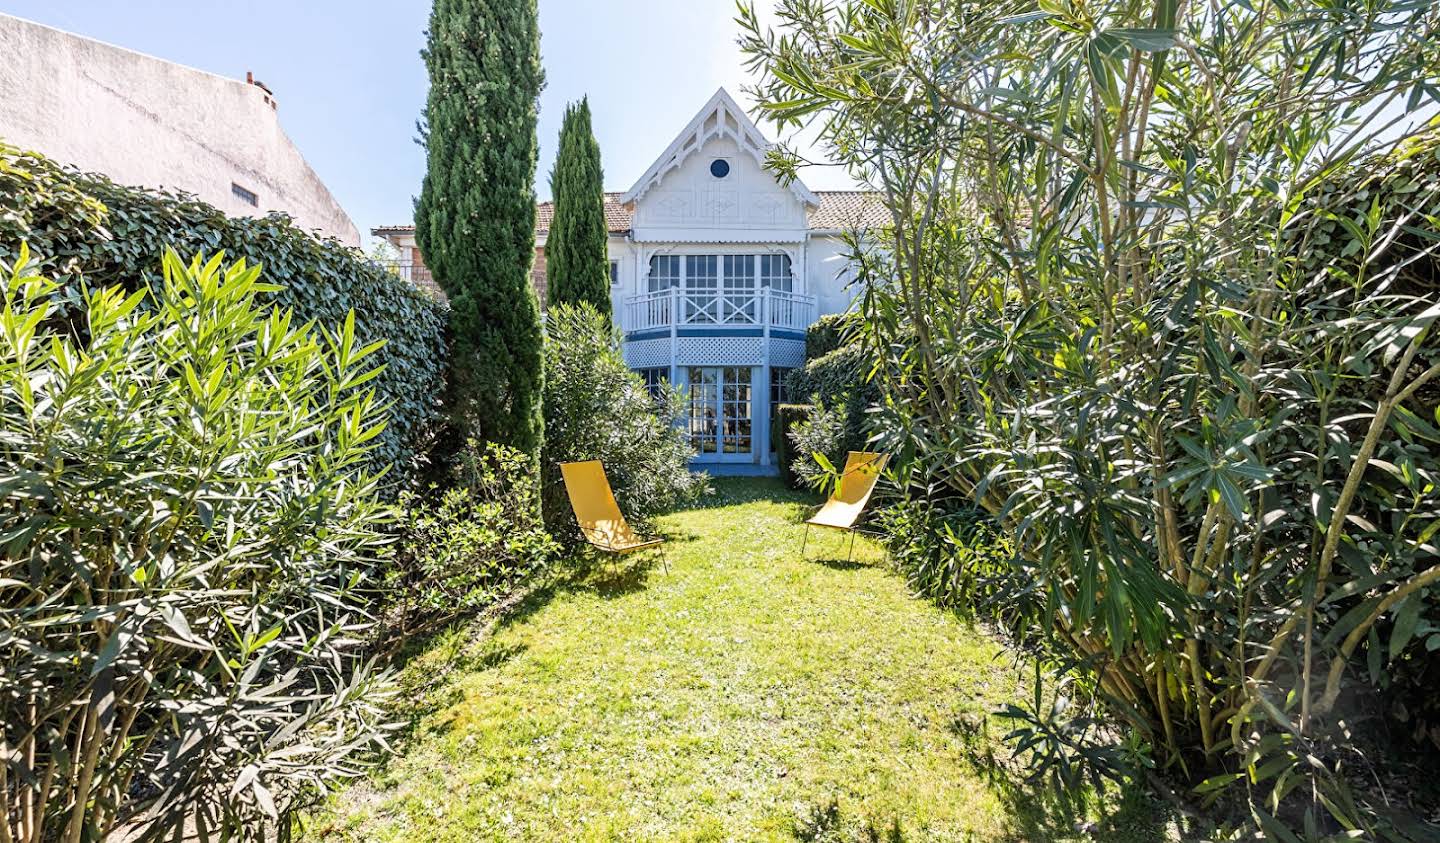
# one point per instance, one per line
(719, 168)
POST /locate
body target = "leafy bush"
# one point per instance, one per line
(470, 545)
(597, 409)
(950, 553)
(842, 394)
(87, 227)
(822, 431)
(189, 536)
(787, 417)
(827, 334)
(1122, 311)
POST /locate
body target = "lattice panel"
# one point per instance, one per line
(647, 354)
(720, 351)
(713, 351)
(787, 354)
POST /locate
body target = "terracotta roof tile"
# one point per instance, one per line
(617, 218)
(847, 209)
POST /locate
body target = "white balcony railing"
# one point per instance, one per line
(758, 308)
(412, 271)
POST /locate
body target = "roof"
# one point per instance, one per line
(849, 209)
(720, 117)
(837, 210)
(617, 216)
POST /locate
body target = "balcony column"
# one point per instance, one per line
(763, 411)
(674, 334)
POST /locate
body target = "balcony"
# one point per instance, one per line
(413, 271)
(676, 308)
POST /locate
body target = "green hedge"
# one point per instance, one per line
(825, 335)
(787, 416)
(86, 226)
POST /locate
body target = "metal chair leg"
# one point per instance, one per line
(664, 560)
(806, 540)
(850, 557)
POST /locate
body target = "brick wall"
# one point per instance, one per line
(420, 274)
(537, 276)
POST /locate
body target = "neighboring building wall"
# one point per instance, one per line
(537, 276)
(151, 123)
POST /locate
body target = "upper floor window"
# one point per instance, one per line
(614, 273)
(775, 273)
(719, 168)
(249, 197)
(664, 272)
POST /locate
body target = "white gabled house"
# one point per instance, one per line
(717, 270)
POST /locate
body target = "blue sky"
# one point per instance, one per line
(351, 84)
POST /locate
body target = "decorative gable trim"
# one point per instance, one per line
(721, 117)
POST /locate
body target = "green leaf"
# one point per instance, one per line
(1407, 616)
(1145, 40)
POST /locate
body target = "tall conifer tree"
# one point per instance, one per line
(577, 263)
(475, 218)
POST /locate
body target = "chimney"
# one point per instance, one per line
(269, 95)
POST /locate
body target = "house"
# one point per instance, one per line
(147, 122)
(717, 269)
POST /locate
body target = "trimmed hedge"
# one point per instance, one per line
(87, 227)
(787, 416)
(825, 335)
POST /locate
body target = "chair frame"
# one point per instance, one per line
(600, 542)
(656, 542)
(852, 529)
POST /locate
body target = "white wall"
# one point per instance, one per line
(147, 122)
(828, 274)
(689, 198)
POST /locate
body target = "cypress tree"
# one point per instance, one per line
(475, 218)
(577, 263)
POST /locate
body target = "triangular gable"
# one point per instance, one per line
(721, 117)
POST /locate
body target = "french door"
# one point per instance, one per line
(721, 413)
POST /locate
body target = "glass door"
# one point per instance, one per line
(721, 423)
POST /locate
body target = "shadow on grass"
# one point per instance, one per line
(1038, 811)
(825, 822)
(738, 491)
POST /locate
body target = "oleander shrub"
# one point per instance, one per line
(1136, 305)
(188, 540)
(949, 552)
(844, 398)
(469, 544)
(88, 229)
(597, 409)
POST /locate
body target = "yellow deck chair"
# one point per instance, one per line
(597, 513)
(862, 469)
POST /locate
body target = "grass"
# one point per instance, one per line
(748, 694)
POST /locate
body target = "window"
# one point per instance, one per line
(249, 197)
(614, 273)
(702, 282)
(779, 390)
(779, 393)
(655, 380)
(775, 273)
(719, 168)
(664, 272)
(740, 304)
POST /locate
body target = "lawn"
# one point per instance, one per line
(748, 694)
